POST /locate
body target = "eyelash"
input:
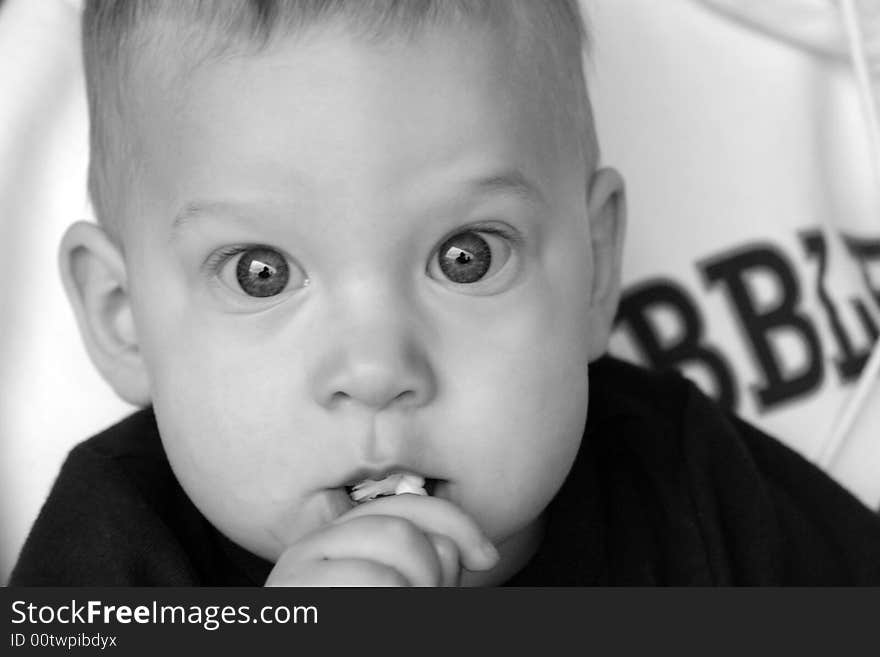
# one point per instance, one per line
(216, 260)
(503, 232)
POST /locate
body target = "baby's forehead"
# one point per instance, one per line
(175, 47)
(522, 69)
(172, 67)
(168, 45)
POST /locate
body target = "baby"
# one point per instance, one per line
(355, 260)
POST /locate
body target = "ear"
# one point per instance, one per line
(95, 279)
(606, 208)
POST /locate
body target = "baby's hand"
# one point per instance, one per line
(404, 540)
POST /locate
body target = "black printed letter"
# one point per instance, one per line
(865, 251)
(732, 271)
(850, 363)
(635, 306)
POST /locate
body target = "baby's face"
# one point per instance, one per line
(353, 258)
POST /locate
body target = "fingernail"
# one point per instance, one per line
(490, 551)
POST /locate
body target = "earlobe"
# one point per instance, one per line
(95, 279)
(606, 207)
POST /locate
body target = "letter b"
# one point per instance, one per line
(687, 348)
(733, 271)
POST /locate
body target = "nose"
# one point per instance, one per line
(377, 364)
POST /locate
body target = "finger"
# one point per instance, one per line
(435, 516)
(447, 554)
(340, 572)
(389, 540)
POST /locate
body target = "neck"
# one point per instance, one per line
(515, 553)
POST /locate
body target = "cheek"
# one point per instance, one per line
(239, 449)
(222, 419)
(521, 406)
(230, 403)
(215, 362)
(226, 399)
(514, 459)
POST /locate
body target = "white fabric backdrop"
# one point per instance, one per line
(734, 143)
(50, 396)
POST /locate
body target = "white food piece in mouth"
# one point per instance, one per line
(393, 484)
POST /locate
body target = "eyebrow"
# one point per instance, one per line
(510, 182)
(195, 209)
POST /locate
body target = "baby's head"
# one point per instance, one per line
(347, 237)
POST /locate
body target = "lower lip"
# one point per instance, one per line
(339, 500)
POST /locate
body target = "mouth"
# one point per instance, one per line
(395, 483)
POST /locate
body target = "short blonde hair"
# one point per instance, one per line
(118, 34)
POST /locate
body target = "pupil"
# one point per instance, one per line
(262, 272)
(465, 258)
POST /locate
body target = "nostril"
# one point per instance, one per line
(374, 400)
(375, 377)
(405, 396)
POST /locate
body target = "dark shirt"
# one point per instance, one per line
(666, 489)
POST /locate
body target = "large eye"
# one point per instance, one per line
(470, 256)
(260, 271)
